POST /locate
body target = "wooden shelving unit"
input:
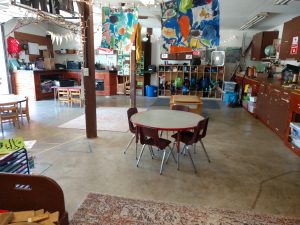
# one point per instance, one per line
(200, 80)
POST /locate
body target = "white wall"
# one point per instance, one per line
(74, 43)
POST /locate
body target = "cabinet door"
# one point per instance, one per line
(289, 32)
(261, 103)
(256, 46)
(282, 118)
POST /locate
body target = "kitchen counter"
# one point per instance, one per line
(276, 106)
(35, 83)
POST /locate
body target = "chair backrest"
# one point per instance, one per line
(74, 93)
(201, 126)
(130, 112)
(9, 108)
(181, 108)
(146, 132)
(204, 128)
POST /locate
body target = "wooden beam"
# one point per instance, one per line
(89, 62)
(132, 79)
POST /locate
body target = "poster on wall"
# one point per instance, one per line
(118, 28)
(190, 24)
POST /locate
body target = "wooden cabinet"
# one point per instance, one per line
(73, 75)
(260, 42)
(106, 82)
(290, 30)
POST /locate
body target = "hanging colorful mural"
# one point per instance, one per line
(118, 28)
(190, 24)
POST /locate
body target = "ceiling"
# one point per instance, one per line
(233, 13)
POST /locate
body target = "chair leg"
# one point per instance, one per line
(153, 155)
(188, 151)
(129, 143)
(150, 150)
(195, 148)
(208, 159)
(2, 129)
(161, 133)
(137, 164)
(162, 162)
(171, 152)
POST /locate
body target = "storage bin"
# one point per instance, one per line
(295, 130)
(230, 98)
(229, 86)
(251, 109)
(151, 91)
(252, 98)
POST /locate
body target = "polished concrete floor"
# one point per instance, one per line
(251, 168)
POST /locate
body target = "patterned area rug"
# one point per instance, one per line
(105, 209)
(108, 119)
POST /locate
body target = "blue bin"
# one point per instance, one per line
(230, 98)
(151, 91)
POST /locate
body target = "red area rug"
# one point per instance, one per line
(104, 209)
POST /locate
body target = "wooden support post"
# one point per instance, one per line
(132, 79)
(89, 81)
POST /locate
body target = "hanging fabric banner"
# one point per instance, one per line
(118, 28)
(188, 25)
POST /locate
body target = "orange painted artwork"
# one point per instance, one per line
(184, 24)
(179, 49)
(122, 31)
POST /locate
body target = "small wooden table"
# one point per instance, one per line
(193, 102)
(167, 120)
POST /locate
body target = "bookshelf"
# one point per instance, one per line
(190, 80)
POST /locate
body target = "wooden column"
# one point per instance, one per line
(132, 79)
(89, 81)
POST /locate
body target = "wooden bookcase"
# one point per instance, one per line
(202, 79)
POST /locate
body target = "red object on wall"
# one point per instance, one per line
(13, 46)
(3, 210)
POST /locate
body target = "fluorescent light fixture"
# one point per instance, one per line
(256, 19)
(282, 2)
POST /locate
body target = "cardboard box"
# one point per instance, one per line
(49, 63)
(46, 54)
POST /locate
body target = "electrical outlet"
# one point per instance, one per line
(86, 72)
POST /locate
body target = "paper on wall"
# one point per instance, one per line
(33, 48)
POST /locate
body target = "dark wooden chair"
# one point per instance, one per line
(149, 136)
(132, 129)
(191, 138)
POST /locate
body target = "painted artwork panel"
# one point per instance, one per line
(118, 28)
(195, 26)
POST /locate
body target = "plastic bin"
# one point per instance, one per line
(230, 98)
(295, 130)
(229, 86)
(151, 91)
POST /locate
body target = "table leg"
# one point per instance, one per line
(20, 112)
(178, 148)
(55, 93)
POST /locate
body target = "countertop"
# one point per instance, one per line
(274, 83)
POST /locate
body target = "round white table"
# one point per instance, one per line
(7, 99)
(167, 120)
(170, 120)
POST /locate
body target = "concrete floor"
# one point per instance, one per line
(251, 168)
